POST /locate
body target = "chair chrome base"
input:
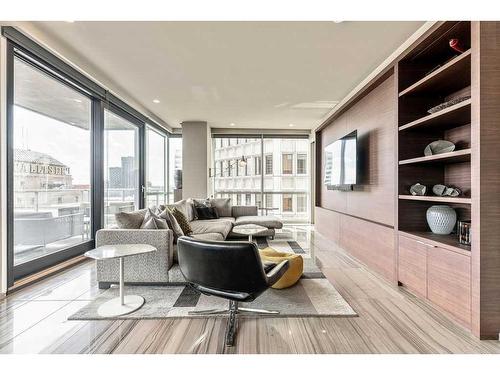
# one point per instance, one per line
(232, 323)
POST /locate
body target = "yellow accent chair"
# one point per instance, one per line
(295, 269)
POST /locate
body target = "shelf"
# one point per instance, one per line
(446, 158)
(426, 198)
(446, 78)
(448, 242)
(451, 117)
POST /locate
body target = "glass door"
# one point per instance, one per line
(50, 158)
(122, 186)
(156, 163)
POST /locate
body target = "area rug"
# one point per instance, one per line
(313, 295)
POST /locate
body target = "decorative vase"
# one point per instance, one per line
(441, 219)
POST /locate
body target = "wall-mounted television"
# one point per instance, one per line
(341, 162)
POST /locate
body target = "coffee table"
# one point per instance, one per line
(249, 230)
(124, 304)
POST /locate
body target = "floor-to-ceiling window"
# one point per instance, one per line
(121, 166)
(156, 168)
(282, 190)
(51, 142)
(174, 168)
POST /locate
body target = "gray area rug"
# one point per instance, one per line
(313, 295)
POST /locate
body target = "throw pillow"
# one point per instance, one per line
(185, 207)
(172, 224)
(183, 222)
(153, 221)
(130, 220)
(223, 206)
(206, 213)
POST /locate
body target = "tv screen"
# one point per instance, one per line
(340, 161)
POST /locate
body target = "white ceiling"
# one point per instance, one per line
(252, 74)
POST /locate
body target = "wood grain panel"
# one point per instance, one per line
(371, 243)
(412, 265)
(327, 223)
(485, 176)
(374, 119)
(449, 283)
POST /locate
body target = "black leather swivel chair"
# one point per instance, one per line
(230, 270)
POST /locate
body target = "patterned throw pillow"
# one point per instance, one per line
(183, 222)
(204, 210)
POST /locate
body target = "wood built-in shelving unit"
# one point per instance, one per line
(436, 267)
(429, 75)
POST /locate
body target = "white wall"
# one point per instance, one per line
(3, 169)
(195, 159)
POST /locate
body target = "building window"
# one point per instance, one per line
(301, 163)
(269, 164)
(258, 165)
(269, 200)
(248, 199)
(301, 203)
(287, 203)
(229, 168)
(258, 200)
(238, 199)
(287, 163)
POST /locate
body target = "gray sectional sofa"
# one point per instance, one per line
(161, 266)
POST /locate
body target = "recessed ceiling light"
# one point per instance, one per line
(70, 21)
(156, 101)
(231, 124)
(338, 21)
(77, 100)
(290, 125)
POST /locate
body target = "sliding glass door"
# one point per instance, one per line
(156, 167)
(121, 166)
(50, 167)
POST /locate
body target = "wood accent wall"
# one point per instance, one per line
(362, 221)
(485, 176)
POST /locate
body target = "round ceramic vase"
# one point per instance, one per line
(441, 219)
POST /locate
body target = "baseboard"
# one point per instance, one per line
(51, 271)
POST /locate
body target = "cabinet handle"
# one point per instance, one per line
(425, 244)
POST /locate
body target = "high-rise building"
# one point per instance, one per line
(286, 180)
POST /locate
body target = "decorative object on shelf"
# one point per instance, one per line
(178, 178)
(456, 45)
(439, 147)
(418, 189)
(447, 104)
(441, 219)
(463, 232)
(445, 191)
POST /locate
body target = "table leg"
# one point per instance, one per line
(250, 237)
(122, 302)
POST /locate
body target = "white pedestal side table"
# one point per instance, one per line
(249, 230)
(123, 304)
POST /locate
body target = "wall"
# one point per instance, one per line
(3, 170)
(195, 159)
(362, 221)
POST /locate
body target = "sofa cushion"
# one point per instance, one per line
(184, 206)
(172, 223)
(223, 206)
(208, 236)
(130, 220)
(221, 226)
(265, 221)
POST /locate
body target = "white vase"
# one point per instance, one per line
(441, 219)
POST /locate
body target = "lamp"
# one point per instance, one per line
(242, 162)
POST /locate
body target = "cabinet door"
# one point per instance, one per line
(449, 279)
(412, 265)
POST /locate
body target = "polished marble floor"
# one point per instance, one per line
(34, 319)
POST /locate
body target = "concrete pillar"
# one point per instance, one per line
(195, 159)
